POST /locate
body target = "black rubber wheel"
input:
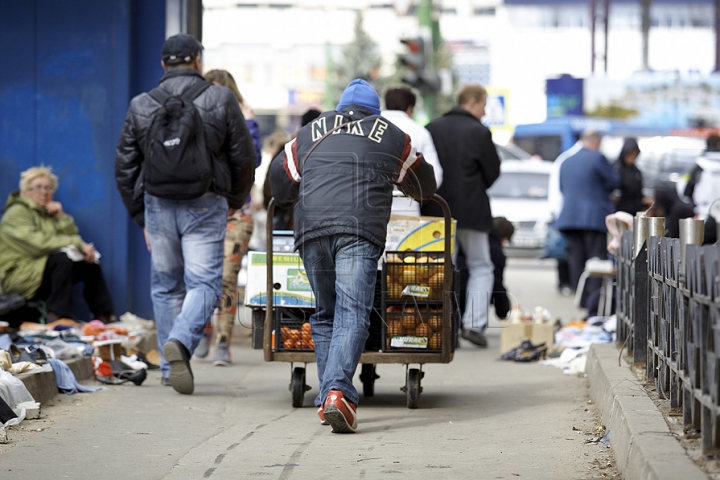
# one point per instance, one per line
(367, 377)
(413, 387)
(298, 387)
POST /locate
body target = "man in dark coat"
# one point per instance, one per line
(339, 174)
(470, 165)
(586, 182)
(185, 236)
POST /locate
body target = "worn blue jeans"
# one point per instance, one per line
(186, 238)
(342, 270)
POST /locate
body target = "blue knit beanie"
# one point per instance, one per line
(359, 92)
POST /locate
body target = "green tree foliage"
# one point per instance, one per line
(360, 59)
(612, 110)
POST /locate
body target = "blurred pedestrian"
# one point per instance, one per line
(629, 194)
(237, 236)
(341, 157)
(283, 217)
(470, 165)
(586, 182)
(556, 243)
(399, 104)
(194, 176)
(500, 236)
(702, 183)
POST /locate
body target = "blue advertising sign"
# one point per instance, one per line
(564, 96)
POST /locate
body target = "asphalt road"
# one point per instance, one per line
(478, 418)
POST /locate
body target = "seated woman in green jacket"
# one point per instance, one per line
(34, 262)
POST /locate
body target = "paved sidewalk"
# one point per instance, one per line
(478, 418)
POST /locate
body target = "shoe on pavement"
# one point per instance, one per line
(165, 382)
(341, 414)
(478, 338)
(566, 291)
(203, 347)
(181, 377)
(322, 416)
(222, 355)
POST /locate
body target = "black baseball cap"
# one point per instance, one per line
(180, 48)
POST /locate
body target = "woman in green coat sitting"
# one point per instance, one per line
(36, 237)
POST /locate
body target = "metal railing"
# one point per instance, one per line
(668, 313)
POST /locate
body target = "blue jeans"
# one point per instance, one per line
(186, 237)
(342, 270)
(476, 247)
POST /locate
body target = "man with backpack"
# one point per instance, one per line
(184, 161)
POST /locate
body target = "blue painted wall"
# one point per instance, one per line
(72, 68)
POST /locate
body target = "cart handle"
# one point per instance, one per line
(267, 331)
(447, 282)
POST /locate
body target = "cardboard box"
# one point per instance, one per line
(422, 234)
(293, 287)
(513, 334)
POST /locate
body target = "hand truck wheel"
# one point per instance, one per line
(413, 388)
(298, 386)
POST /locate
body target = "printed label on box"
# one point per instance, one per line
(417, 291)
(288, 274)
(298, 280)
(409, 342)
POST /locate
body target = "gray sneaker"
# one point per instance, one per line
(222, 355)
(203, 347)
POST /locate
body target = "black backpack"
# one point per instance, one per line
(178, 164)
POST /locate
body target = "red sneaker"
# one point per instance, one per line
(340, 413)
(322, 416)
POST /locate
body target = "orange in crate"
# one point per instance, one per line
(422, 330)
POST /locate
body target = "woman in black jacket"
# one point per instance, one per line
(629, 197)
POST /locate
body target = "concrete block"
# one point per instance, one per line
(32, 410)
(639, 435)
(3, 435)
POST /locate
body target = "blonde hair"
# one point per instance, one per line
(275, 142)
(468, 92)
(32, 173)
(224, 78)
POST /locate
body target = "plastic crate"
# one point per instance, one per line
(417, 275)
(293, 326)
(414, 327)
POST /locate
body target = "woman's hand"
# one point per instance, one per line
(89, 251)
(55, 209)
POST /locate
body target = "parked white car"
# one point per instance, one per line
(520, 194)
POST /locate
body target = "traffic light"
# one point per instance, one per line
(419, 76)
(415, 58)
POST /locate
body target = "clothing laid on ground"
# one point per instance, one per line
(470, 165)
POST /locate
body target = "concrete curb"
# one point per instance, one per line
(639, 436)
(42, 385)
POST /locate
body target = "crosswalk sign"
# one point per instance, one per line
(496, 108)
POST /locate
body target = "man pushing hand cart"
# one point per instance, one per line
(339, 173)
